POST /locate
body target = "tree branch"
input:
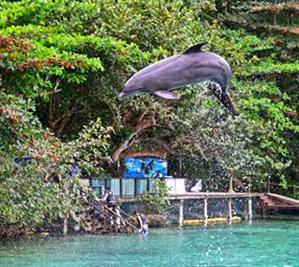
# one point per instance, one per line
(159, 143)
(65, 118)
(52, 104)
(130, 140)
(196, 144)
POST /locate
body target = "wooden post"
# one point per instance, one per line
(250, 209)
(294, 189)
(135, 187)
(118, 216)
(229, 210)
(181, 212)
(180, 165)
(205, 211)
(249, 201)
(148, 185)
(268, 185)
(121, 187)
(65, 224)
(231, 188)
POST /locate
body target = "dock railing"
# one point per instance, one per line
(124, 187)
(132, 187)
(288, 190)
(273, 186)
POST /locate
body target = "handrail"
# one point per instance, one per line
(115, 214)
(287, 186)
(128, 215)
(284, 198)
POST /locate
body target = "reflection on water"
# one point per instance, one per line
(256, 244)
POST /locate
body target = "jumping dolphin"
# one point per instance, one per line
(190, 67)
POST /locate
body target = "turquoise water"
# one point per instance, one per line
(256, 244)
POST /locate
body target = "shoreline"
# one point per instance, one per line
(212, 222)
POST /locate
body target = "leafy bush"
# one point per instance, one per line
(157, 202)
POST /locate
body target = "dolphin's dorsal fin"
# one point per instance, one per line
(194, 48)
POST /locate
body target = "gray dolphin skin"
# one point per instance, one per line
(190, 67)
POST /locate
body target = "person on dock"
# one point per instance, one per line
(143, 226)
(110, 203)
(158, 174)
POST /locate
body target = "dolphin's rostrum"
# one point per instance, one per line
(192, 66)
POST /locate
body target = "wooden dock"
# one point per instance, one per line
(97, 220)
(193, 196)
(205, 196)
(266, 202)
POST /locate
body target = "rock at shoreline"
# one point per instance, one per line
(156, 220)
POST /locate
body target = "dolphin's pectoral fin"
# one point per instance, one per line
(166, 94)
(194, 48)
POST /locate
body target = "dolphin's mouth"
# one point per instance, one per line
(122, 95)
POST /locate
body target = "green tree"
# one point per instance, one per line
(62, 68)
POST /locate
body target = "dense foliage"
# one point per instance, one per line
(63, 63)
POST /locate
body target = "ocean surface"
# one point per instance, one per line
(261, 243)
